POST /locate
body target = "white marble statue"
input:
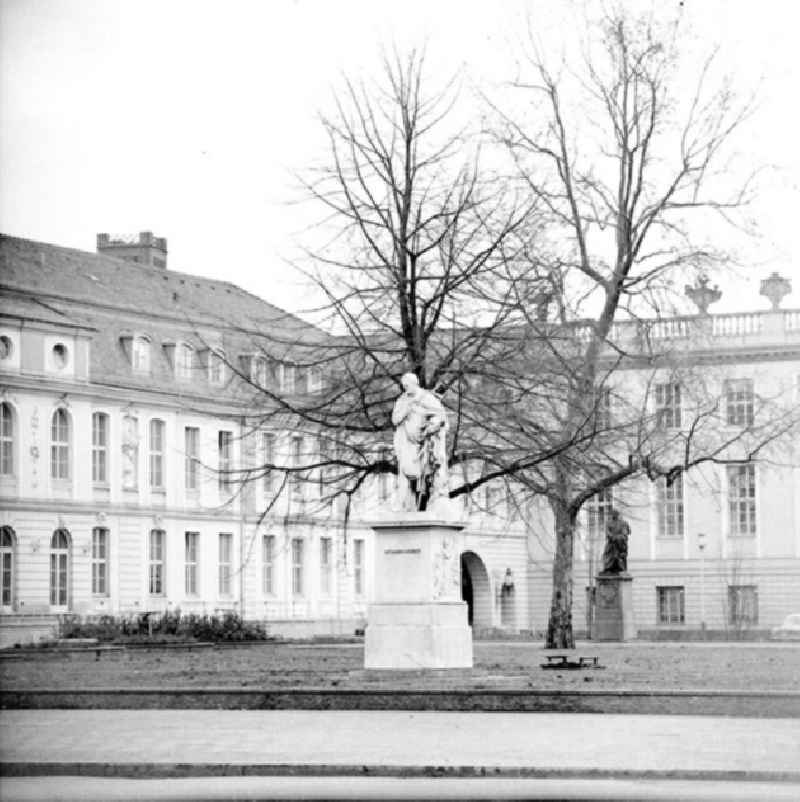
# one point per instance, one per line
(420, 435)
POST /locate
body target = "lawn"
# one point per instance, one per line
(514, 666)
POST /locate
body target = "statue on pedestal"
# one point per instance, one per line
(615, 554)
(420, 434)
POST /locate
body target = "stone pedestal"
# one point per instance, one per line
(613, 612)
(417, 619)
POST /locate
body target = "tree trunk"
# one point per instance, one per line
(559, 627)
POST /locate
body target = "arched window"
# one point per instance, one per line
(99, 447)
(6, 440)
(7, 544)
(59, 568)
(157, 454)
(59, 445)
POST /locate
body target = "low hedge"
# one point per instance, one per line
(164, 627)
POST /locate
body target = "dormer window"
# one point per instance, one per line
(288, 384)
(258, 372)
(314, 379)
(140, 354)
(216, 367)
(184, 359)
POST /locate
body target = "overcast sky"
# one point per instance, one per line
(186, 117)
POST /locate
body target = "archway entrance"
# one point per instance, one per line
(475, 591)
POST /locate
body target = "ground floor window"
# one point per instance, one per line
(225, 563)
(268, 565)
(297, 566)
(325, 565)
(7, 543)
(100, 561)
(190, 563)
(670, 604)
(59, 568)
(156, 562)
(742, 605)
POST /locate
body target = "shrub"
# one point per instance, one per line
(167, 626)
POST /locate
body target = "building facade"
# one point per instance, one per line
(126, 483)
(124, 444)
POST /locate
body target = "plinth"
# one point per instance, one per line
(417, 619)
(613, 611)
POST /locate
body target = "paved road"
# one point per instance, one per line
(91, 789)
(687, 746)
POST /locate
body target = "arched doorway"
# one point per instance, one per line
(475, 591)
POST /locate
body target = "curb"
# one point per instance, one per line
(177, 770)
(752, 704)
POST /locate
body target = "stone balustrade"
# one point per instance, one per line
(743, 328)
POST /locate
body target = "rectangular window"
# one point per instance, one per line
(668, 405)
(225, 448)
(6, 439)
(670, 604)
(6, 574)
(99, 447)
(297, 462)
(268, 455)
(216, 368)
(191, 440)
(99, 561)
(191, 563)
(288, 379)
(602, 408)
(156, 562)
(739, 402)
(358, 567)
(325, 565)
(258, 373)
(268, 565)
(141, 355)
(598, 511)
(225, 563)
(59, 447)
(742, 500)
(742, 605)
(184, 362)
(297, 566)
(313, 380)
(670, 507)
(157, 454)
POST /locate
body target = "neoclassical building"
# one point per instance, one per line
(124, 439)
(124, 443)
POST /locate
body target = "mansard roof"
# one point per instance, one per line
(113, 300)
(40, 270)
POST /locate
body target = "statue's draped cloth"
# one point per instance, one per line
(420, 445)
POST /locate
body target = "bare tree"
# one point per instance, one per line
(526, 298)
(423, 261)
(619, 160)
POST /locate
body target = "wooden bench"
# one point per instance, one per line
(563, 661)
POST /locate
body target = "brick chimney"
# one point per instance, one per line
(144, 249)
